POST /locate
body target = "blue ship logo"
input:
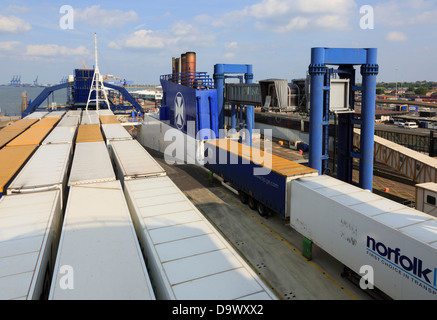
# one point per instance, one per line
(179, 110)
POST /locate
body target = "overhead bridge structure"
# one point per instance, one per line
(35, 104)
(416, 166)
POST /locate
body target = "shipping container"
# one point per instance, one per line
(32, 136)
(107, 119)
(30, 228)
(21, 124)
(47, 122)
(47, 169)
(132, 161)
(396, 244)
(36, 115)
(7, 136)
(12, 160)
(99, 247)
(61, 135)
(90, 118)
(115, 131)
(56, 114)
(72, 121)
(187, 257)
(426, 198)
(261, 178)
(89, 133)
(91, 163)
(74, 113)
(106, 112)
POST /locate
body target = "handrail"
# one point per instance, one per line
(198, 80)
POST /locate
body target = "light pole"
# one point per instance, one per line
(396, 84)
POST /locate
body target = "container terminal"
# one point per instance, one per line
(212, 197)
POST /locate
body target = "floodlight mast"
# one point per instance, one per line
(97, 83)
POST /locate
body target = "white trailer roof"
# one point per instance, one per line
(36, 115)
(190, 258)
(61, 135)
(73, 113)
(91, 163)
(25, 223)
(58, 113)
(47, 168)
(90, 117)
(394, 215)
(134, 161)
(115, 131)
(68, 122)
(99, 243)
(106, 112)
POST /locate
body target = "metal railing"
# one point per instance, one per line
(198, 80)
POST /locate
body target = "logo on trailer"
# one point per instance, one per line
(179, 117)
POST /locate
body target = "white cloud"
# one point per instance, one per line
(231, 45)
(396, 36)
(287, 15)
(229, 55)
(13, 24)
(109, 18)
(54, 50)
(8, 45)
(179, 34)
(17, 9)
(405, 13)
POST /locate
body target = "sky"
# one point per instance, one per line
(137, 39)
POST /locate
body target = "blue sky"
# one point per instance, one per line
(137, 39)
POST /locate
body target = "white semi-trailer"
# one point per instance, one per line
(391, 245)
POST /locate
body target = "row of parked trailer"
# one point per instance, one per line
(87, 213)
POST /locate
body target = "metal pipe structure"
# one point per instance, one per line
(319, 91)
(369, 72)
(220, 70)
(191, 68)
(317, 70)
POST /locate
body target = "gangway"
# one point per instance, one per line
(414, 165)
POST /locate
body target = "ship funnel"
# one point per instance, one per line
(184, 69)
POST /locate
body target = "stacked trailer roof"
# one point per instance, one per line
(187, 258)
(89, 117)
(55, 114)
(71, 121)
(29, 225)
(89, 133)
(107, 112)
(9, 133)
(99, 246)
(36, 115)
(61, 134)
(115, 132)
(91, 164)
(46, 170)
(12, 160)
(132, 161)
(107, 119)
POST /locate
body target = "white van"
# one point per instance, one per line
(411, 125)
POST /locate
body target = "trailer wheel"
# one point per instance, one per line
(243, 196)
(252, 203)
(262, 210)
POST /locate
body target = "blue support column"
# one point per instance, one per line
(219, 82)
(250, 110)
(369, 72)
(317, 70)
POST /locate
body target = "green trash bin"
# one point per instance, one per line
(307, 248)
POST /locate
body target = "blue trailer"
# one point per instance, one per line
(262, 179)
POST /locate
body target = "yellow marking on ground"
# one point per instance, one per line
(289, 245)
